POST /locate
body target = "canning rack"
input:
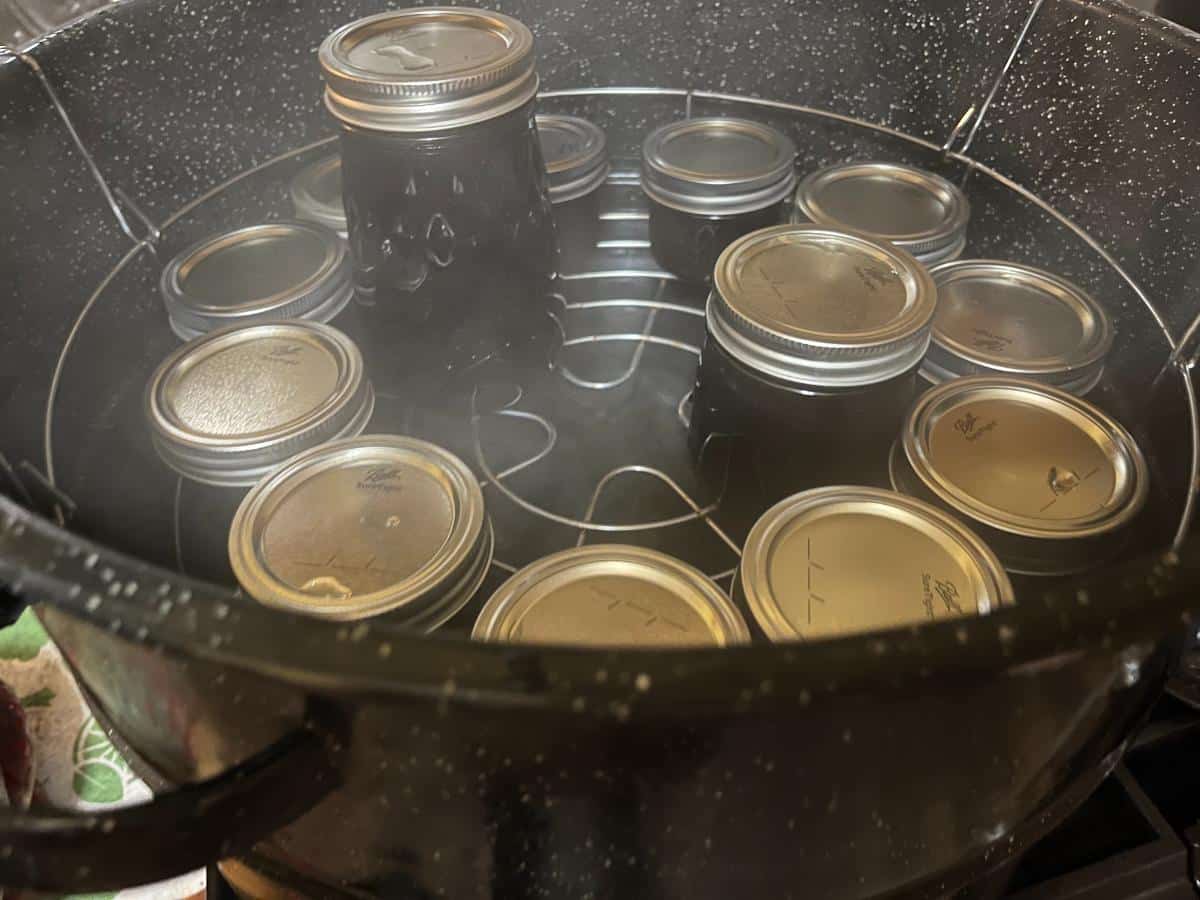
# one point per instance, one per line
(620, 253)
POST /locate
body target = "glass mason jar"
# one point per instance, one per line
(1051, 482)
(916, 210)
(444, 187)
(843, 560)
(228, 407)
(316, 193)
(576, 158)
(813, 341)
(710, 181)
(260, 273)
(376, 525)
(1002, 318)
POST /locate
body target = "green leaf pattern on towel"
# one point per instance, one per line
(23, 639)
(100, 775)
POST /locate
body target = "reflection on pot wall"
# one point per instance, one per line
(23, 20)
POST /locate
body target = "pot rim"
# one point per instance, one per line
(1101, 612)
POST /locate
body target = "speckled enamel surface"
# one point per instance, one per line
(841, 768)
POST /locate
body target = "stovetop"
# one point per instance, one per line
(1138, 836)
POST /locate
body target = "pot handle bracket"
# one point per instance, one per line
(180, 831)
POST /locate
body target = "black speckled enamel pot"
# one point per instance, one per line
(350, 760)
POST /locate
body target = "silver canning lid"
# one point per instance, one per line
(917, 211)
(365, 526)
(718, 166)
(1007, 319)
(280, 270)
(228, 407)
(816, 306)
(428, 69)
(317, 194)
(611, 595)
(575, 155)
(843, 560)
(1024, 459)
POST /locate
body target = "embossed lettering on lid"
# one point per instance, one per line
(1025, 458)
(844, 560)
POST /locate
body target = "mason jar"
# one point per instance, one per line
(260, 273)
(444, 187)
(1002, 318)
(377, 525)
(710, 181)
(316, 194)
(916, 210)
(228, 407)
(813, 342)
(611, 595)
(576, 158)
(843, 560)
(1050, 481)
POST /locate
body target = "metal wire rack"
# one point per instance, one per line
(620, 257)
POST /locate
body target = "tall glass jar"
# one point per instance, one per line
(449, 221)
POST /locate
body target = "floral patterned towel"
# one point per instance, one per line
(75, 764)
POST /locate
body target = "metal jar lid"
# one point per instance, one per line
(816, 306)
(611, 595)
(428, 69)
(1044, 472)
(370, 525)
(718, 166)
(1007, 319)
(844, 560)
(229, 406)
(917, 211)
(279, 270)
(317, 194)
(575, 155)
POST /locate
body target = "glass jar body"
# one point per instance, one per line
(454, 246)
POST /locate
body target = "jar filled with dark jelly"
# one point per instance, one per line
(444, 188)
(918, 211)
(228, 407)
(710, 181)
(813, 342)
(260, 273)
(576, 158)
